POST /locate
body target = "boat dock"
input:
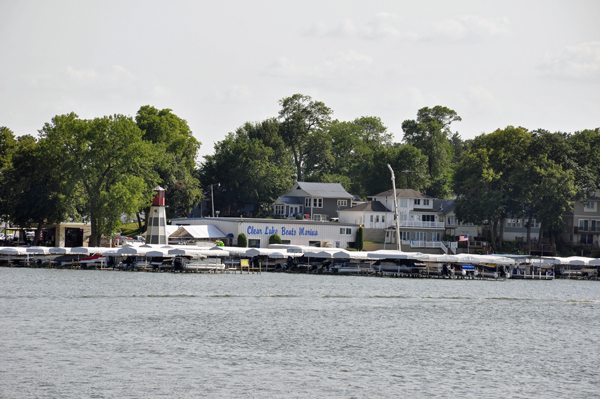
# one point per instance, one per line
(294, 259)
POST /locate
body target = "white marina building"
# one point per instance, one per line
(291, 231)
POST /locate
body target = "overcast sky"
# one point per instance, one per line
(534, 64)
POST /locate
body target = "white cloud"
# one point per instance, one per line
(479, 98)
(341, 64)
(83, 75)
(381, 26)
(234, 93)
(387, 26)
(574, 62)
(466, 28)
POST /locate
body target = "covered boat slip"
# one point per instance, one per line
(295, 258)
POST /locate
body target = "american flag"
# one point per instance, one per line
(463, 238)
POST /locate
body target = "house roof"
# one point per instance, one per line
(323, 190)
(443, 206)
(371, 206)
(401, 193)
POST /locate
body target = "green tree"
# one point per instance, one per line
(112, 163)
(409, 164)
(8, 145)
(302, 124)
(38, 191)
(359, 239)
(175, 141)
(585, 147)
(242, 242)
(248, 172)
(430, 133)
(352, 146)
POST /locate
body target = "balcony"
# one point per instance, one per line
(422, 225)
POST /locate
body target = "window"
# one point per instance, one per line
(253, 243)
(428, 218)
(583, 224)
(376, 218)
(319, 217)
(342, 203)
(426, 202)
(382, 219)
(589, 207)
(420, 236)
(587, 239)
(405, 235)
(279, 209)
(371, 218)
(417, 202)
(403, 203)
(345, 231)
(436, 237)
(452, 221)
(307, 202)
(316, 202)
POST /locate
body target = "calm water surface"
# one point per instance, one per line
(104, 334)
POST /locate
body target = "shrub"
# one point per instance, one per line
(359, 239)
(274, 239)
(242, 241)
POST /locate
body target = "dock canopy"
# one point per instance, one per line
(199, 232)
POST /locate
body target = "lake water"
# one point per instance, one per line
(105, 334)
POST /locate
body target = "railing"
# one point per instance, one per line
(427, 225)
(591, 229)
(452, 246)
(425, 244)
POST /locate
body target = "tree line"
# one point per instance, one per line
(98, 170)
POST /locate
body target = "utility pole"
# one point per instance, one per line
(396, 210)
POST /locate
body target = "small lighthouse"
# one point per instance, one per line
(157, 219)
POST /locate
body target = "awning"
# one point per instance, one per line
(199, 232)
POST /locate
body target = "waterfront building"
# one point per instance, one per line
(582, 224)
(291, 231)
(419, 220)
(315, 201)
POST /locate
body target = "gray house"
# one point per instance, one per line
(320, 201)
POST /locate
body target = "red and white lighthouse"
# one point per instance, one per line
(157, 219)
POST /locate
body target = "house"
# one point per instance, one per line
(582, 225)
(419, 221)
(320, 201)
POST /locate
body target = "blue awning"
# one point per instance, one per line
(468, 267)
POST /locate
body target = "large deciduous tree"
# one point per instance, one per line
(38, 191)
(108, 158)
(179, 147)
(302, 124)
(248, 170)
(8, 144)
(431, 134)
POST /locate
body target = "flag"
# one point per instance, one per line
(463, 238)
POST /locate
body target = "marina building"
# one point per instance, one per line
(291, 231)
